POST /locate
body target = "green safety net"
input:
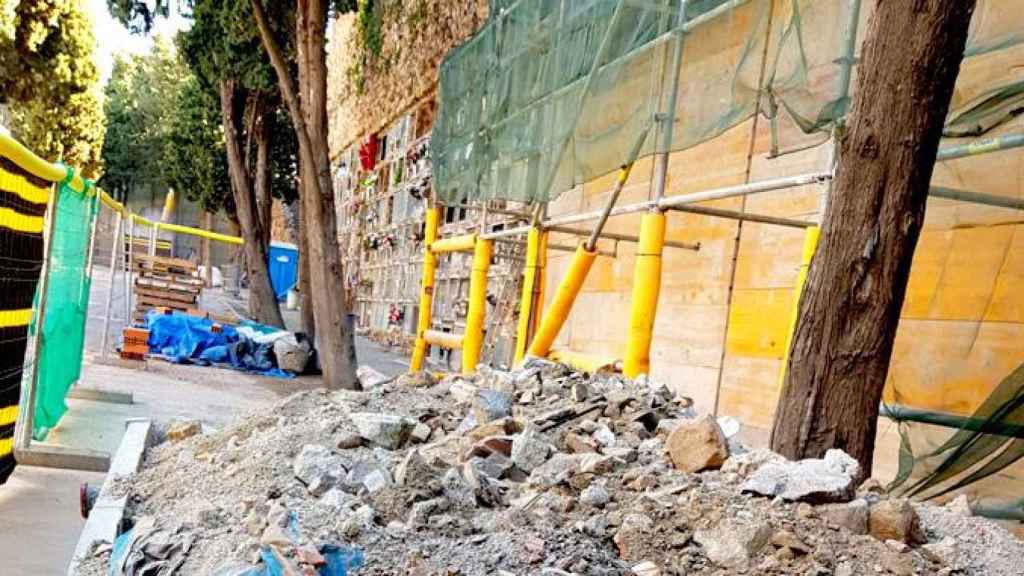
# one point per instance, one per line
(980, 453)
(553, 93)
(67, 305)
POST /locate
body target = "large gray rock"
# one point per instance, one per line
(384, 430)
(697, 444)
(490, 405)
(414, 471)
(529, 449)
(831, 479)
(291, 354)
(318, 468)
(732, 542)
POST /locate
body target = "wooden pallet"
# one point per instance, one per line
(183, 296)
(161, 264)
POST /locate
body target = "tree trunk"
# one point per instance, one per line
(305, 292)
(262, 301)
(851, 303)
(264, 143)
(336, 345)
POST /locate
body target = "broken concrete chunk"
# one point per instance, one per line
(529, 449)
(632, 536)
(747, 463)
(414, 471)
(181, 429)
(813, 480)
(291, 354)
(385, 430)
(579, 392)
(851, 515)
(895, 519)
(961, 505)
(555, 471)
(594, 495)
(318, 468)
(491, 405)
(786, 539)
(598, 464)
(732, 542)
(579, 444)
(697, 445)
(369, 378)
(457, 490)
(419, 379)
(462, 390)
(420, 433)
(604, 436)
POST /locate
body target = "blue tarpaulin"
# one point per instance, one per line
(189, 339)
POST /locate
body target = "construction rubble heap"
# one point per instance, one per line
(542, 470)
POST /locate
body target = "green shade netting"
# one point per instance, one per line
(67, 305)
(526, 115)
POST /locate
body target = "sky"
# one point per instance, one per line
(112, 38)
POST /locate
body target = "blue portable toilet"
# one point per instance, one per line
(283, 267)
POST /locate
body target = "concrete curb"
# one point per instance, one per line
(104, 523)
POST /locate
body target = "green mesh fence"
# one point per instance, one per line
(552, 93)
(67, 305)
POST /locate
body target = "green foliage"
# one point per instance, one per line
(368, 24)
(49, 79)
(196, 160)
(138, 16)
(141, 103)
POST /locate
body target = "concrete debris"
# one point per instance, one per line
(370, 378)
(732, 543)
(421, 379)
(698, 444)
(292, 355)
(529, 449)
(895, 519)
(180, 430)
(813, 480)
(490, 405)
(318, 468)
(851, 515)
(385, 430)
(540, 470)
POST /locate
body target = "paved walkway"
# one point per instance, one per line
(39, 518)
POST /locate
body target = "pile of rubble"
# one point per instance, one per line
(538, 471)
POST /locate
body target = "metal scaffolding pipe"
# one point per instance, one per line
(556, 247)
(621, 237)
(745, 216)
(679, 200)
(977, 197)
(980, 147)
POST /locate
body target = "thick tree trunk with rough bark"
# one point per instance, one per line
(307, 106)
(262, 301)
(262, 181)
(305, 292)
(851, 303)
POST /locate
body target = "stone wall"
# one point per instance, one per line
(367, 93)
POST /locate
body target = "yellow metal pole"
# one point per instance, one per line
(474, 338)
(464, 243)
(811, 236)
(542, 282)
(526, 301)
(556, 315)
(646, 288)
(426, 289)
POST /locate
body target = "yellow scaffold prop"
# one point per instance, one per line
(471, 342)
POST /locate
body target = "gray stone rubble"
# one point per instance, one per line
(541, 470)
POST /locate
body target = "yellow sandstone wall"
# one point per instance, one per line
(962, 327)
